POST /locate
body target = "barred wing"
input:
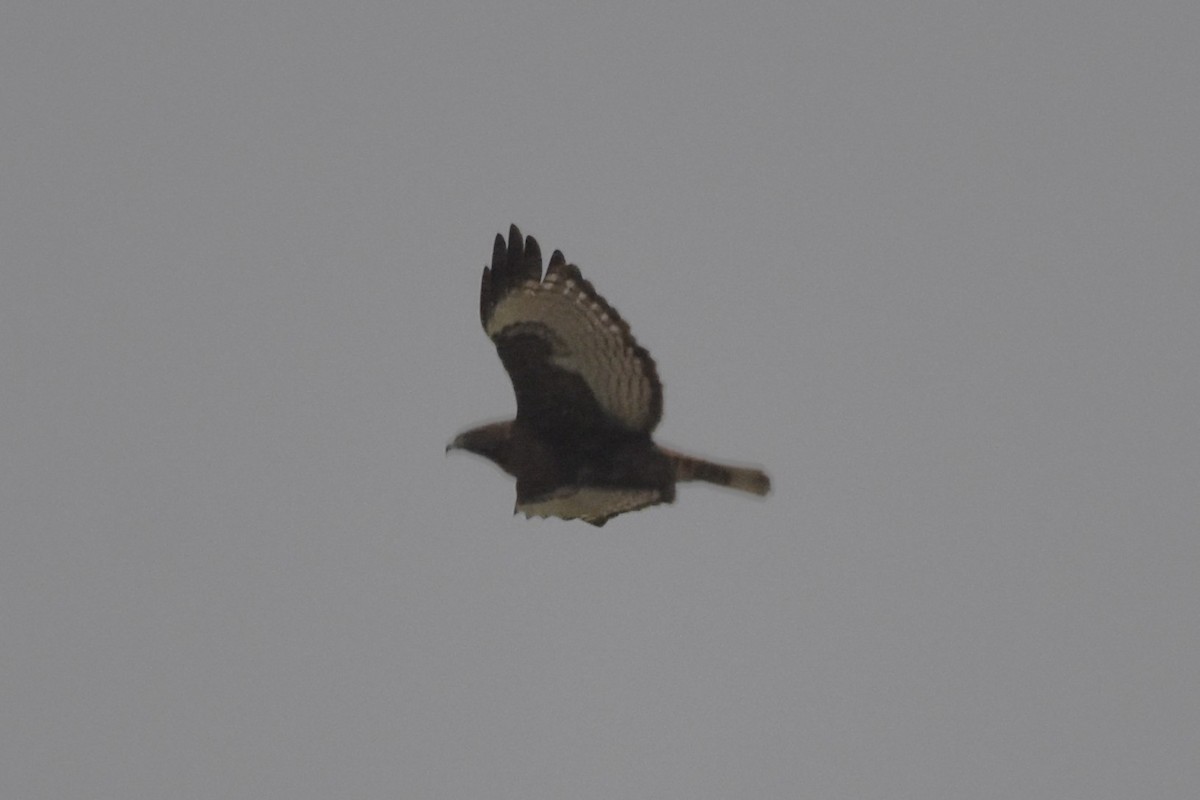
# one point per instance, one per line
(573, 362)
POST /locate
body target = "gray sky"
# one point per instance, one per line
(933, 264)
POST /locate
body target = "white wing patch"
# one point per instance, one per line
(588, 341)
(589, 503)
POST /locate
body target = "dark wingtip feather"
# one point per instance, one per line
(485, 296)
(513, 262)
(515, 250)
(564, 271)
(499, 254)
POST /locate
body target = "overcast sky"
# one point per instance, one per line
(932, 264)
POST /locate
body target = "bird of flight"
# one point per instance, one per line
(588, 397)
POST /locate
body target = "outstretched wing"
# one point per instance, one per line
(574, 364)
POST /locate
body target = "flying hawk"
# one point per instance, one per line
(588, 397)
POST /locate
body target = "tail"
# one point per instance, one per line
(746, 479)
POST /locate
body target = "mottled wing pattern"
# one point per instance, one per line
(572, 359)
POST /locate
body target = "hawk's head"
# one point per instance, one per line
(490, 441)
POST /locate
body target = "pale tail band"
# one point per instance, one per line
(746, 479)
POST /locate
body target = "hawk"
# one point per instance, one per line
(588, 397)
